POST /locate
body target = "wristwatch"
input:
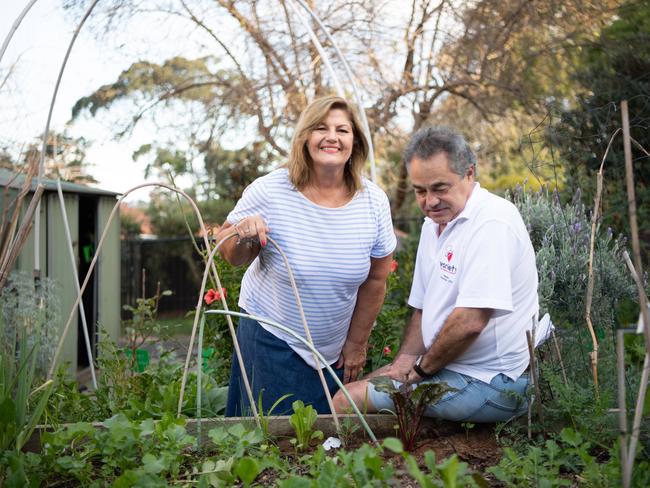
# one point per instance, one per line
(421, 373)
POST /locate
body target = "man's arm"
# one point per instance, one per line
(460, 330)
(370, 297)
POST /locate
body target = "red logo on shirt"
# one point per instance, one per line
(450, 254)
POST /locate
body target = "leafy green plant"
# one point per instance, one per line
(23, 326)
(143, 323)
(560, 233)
(303, 420)
(349, 427)
(562, 460)
(410, 404)
(450, 473)
(122, 452)
(467, 426)
(386, 336)
(139, 396)
(264, 416)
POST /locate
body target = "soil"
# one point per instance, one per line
(476, 446)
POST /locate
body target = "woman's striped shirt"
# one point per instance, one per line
(329, 250)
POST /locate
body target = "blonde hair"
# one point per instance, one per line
(300, 164)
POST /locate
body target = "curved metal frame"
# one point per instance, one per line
(44, 146)
(357, 98)
(313, 350)
(73, 264)
(14, 27)
(41, 163)
(94, 261)
(197, 312)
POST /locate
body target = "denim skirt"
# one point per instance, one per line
(274, 369)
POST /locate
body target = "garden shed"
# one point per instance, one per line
(88, 210)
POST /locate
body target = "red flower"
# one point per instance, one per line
(387, 351)
(393, 266)
(213, 295)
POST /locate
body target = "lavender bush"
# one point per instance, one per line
(561, 237)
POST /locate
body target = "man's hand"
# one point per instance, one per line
(412, 378)
(401, 367)
(353, 359)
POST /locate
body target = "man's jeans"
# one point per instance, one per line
(474, 400)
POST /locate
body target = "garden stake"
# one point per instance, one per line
(294, 286)
(634, 228)
(234, 335)
(99, 248)
(41, 164)
(8, 226)
(622, 409)
(643, 385)
(313, 350)
(533, 374)
(75, 276)
(634, 231)
(197, 312)
(593, 355)
(18, 242)
(199, 371)
(559, 356)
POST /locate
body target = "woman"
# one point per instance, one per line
(336, 230)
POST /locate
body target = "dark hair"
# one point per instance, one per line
(430, 141)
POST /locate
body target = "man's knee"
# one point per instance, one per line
(340, 402)
(358, 392)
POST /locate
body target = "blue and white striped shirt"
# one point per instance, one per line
(329, 250)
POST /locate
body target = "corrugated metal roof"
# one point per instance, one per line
(6, 177)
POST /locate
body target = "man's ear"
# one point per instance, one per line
(472, 171)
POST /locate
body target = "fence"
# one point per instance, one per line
(173, 262)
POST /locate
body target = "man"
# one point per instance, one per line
(474, 292)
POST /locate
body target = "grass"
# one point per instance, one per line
(178, 325)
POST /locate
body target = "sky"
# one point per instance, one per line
(35, 54)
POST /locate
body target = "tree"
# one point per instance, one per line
(484, 55)
(65, 158)
(613, 68)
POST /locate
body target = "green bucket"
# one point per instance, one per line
(141, 359)
(207, 354)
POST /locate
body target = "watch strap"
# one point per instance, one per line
(421, 372)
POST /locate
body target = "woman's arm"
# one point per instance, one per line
(369, 301)
(244, 248)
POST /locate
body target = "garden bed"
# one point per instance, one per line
(433, 431)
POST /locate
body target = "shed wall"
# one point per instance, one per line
(59, 267)
(108, 299)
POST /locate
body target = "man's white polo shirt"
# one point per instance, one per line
(482, 259)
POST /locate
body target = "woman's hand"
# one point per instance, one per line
(251, 228)
(353, 359)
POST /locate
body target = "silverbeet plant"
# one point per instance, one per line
(303, 420)
(410, 404)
